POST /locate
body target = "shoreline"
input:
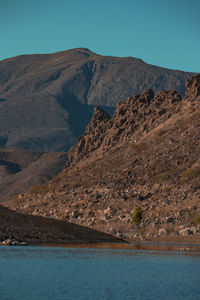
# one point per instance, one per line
(182, 245)
(157, 247)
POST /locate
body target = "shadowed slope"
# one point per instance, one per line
(21, 169)
(37, 229)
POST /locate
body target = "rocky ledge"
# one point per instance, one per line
(11, 242)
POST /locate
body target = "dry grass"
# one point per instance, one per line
(139, 147)
(190, 174)
(41, 189)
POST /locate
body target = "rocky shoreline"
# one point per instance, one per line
(11, 242)
(183, 246)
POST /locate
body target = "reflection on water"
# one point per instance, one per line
(121, 272)
(144, 246)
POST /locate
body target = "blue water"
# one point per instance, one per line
(40, 273)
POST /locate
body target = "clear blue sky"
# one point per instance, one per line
(161, 32)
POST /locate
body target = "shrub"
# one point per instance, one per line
(137, 215)
(161, 132)
(191, 173)
(196, 220)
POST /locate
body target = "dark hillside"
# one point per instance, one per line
(21, 169)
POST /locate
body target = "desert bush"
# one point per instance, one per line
(161, 176)
(161, 132)
(137, 215)
(189, 174)
(139, 148)
(166, 189)
(196, 220)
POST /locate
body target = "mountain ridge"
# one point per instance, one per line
(153, 163)
(47, 100)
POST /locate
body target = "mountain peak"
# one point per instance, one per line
(79, 51)
(66, 85)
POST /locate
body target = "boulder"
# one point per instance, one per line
(15, 243)
(7, 242)
(185, 231)
(107, 210)
(75, 213)
(23, 244)
(162, 231)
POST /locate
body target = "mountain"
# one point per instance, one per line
(21, 169)
(47, 100)
(146, 155)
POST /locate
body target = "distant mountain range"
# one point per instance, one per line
(46, 101)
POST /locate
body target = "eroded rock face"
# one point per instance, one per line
(135, 116)
(146, 155)
(139, 113)
(92, 138)
(193, 87)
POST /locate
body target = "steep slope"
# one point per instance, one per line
(46, 101)
(21, 169)
(146, 155)
(41, 230)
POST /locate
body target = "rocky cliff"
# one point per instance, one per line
(135, 116)
(146, 155)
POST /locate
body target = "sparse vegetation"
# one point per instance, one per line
(139, 148)
(137, 215)
(191, 173)
(41, 189)
(196, 220)
(166, 189)
(161, 132)
(162, 176)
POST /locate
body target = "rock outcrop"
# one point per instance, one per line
(146, 155)
(92, 138)
(193, 88)
(138, 114)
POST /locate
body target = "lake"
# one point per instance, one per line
(51, 273)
